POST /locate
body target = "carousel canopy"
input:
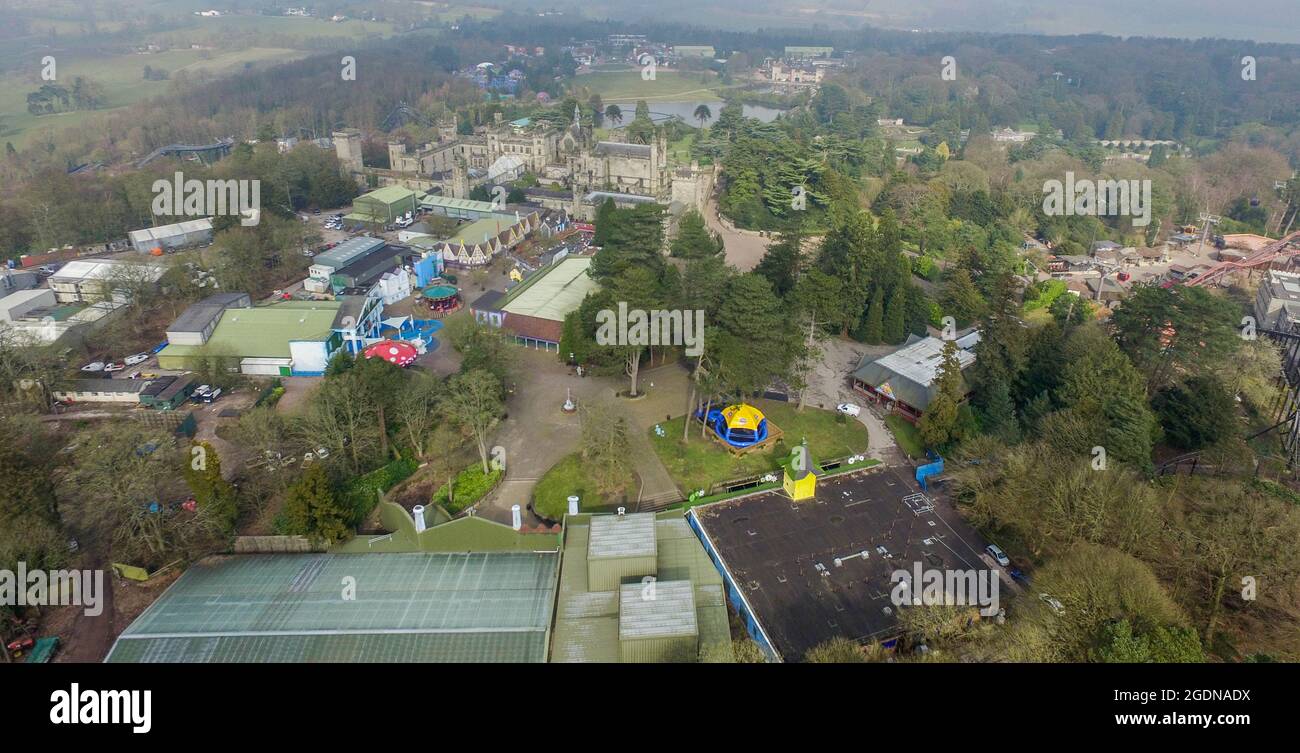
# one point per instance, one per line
(399, 353)
(439, 292)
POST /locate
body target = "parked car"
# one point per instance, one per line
(115, 366)
(137, 358)
(198, 393)
(212, 396)
(998, 555)
(849, 409)
(93, 366)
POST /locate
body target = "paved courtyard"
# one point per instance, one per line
(537, 434)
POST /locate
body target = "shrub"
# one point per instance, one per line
(470, 486)
(362, 493)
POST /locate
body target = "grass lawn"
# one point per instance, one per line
(289, 26)
(624, 85)
(701, 463)
(122, 78)
(551, 495)
(680, 150)
(907, 436)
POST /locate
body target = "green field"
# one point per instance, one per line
(232, 42)
(700, 463)
(628, 85)
(122, 78)
(287, 26)
(455, 13)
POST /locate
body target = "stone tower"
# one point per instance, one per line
(447, 129)
(459, 178)
(347, 145)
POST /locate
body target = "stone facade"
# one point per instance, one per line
(567, 158)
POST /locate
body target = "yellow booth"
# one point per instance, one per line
(800, 480)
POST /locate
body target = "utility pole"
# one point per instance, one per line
(1208, 220)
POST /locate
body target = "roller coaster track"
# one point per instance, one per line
(221, 146)
(402, 113)
(1278, 249)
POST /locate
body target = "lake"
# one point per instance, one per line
(662, 111)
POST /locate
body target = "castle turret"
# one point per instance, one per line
(459, 178)
(347, 146)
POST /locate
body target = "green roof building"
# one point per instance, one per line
(384, 205)
(657, 622)
(461, 209)
(670, 611)
(620, 546)
(808, 52)
(281, 339)
(411, 607)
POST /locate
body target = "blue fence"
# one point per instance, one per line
(930, 469)
(733, 593)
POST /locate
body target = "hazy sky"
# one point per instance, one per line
(1259, 20)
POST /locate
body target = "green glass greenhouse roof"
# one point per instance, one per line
(295, 608)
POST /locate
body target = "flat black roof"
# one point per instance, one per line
(772, 546)
(175, 386)
(199, 315)
(370, 266)
(488, 301)
(157, 385)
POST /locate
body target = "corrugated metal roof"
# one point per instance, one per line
(388, 195)
(622, 536)
(99, 269)
(406, 607)
(103, 385)
(347, 252)
(662, 609)
(554, 292)
(431, 200)
(170, 231)
(264, 331)
(909, 372)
